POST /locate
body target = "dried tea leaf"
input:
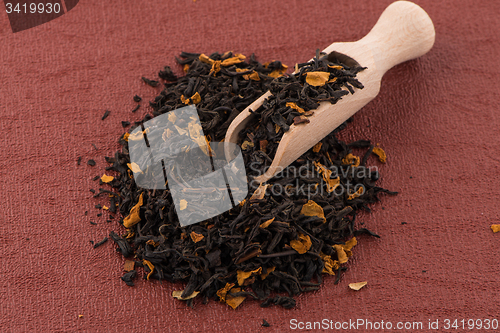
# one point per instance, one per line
(300, 120)
(268, 271)
(351, 159)
(263, 145)
(242, 276)
(183, 204)
(129, 265)
(232, 301)
(177, 294)
(302, 244)
(133, 218)
(196, 237)
(357, 285)
(107, 179)
(150, 265)
(317, 79)
(260, 192)
(330, 265)
(295, 107)
(134, 167)
(311, 208)
(495, 228)
(382, 157)
(223, 291)
(317, 147)
(356, 194)
(267, 223)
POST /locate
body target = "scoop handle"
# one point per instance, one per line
(403, 32)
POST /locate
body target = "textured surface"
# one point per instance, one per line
(437, 118)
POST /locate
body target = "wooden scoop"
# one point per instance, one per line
(403, 32)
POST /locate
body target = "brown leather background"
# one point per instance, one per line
(437, 118)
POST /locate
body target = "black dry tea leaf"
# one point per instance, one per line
(290, 231)
(104, 240)
(137, 98)
(105, 115)
(149, 82)
(91, 162)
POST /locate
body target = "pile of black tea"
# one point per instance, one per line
(288, 232)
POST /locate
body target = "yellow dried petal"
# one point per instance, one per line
(223, 291)
(133, 218)
(311, 208)
(167, 133)
(495, 228)
(231, 61)
(382, 157)
(342, 256)
(330, 265)
(351, 159)
(184, 100)
(317, 147)
(134, 167)
(302, 244)
(295, 107)
(181, 131)
(254, 76)
(267, 223)
(242, 276)
(150, 265)
(356, 194)
(139, 135)
(183, 204)
(177, 294)
(171, 115)
(186, 68)
(215, 68)
(357, 285)
(232, 301)
(107, 179)
(105, 207)
(268, 271)
(317, 79)
(125, 136)
(260, 192)
(331, 184)
(246, 144)
(204, 58)
(196, 98)
(335, 67)
(196, 237)
(129, 265)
